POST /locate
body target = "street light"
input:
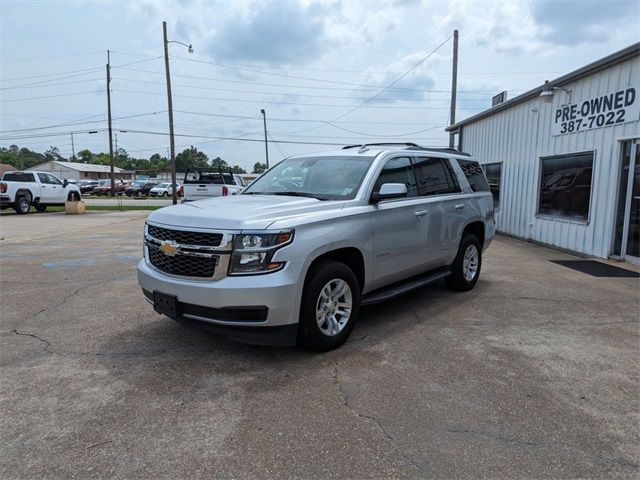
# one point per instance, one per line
(547, 92)
(170, 107)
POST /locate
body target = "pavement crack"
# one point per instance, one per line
(392, 441)
(46, 342)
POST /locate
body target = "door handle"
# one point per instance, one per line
(460, 206)
(421, 213)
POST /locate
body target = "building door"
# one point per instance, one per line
(627, 235)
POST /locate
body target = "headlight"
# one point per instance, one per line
(252, 252)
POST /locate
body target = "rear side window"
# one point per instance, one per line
(398, 170)
(434, 176)
(18, 177)
(475, 175)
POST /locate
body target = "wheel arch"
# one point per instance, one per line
(476, 228)
(24, 192)
(352, 257)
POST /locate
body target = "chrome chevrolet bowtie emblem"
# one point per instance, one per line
(169, 248)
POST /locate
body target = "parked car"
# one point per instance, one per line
(21, 190)
(203, 184)
(294, 256)
(87, 186)
(104, 187)
(162, 190)
(140, 188)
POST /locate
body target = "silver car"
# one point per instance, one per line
(293, 257)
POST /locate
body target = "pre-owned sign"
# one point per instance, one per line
(614, 108)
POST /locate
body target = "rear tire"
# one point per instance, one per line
(330, 306)
(41, 208)
(23, 205)
(465, 269)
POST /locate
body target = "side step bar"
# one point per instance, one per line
(387, 293)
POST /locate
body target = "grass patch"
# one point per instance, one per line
(92, 208)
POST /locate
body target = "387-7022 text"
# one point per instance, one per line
(606, 110)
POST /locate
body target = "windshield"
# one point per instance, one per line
(326, 178)
(163, 185)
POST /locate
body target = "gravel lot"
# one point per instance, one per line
(535, 373)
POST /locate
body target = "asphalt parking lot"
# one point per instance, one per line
(535, 373)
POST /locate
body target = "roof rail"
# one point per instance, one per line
(409, 146)
(403, 144)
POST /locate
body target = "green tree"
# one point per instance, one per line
(53, 154)
(259, 167)
(190, 159)
(85, 156)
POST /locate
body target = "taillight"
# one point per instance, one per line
(3, 188)
(225, 191)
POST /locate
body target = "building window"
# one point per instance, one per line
(493, 172)
(434, 177)
(474, 174)
(565, 186)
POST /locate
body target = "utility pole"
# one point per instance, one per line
(266, 145)
(170, 108)
(113, 177)
(73, 149)
(454, 88)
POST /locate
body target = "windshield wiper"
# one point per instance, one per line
(300, 194)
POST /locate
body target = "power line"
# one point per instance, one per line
(93, 69)
(81, 121)
(386, 87)
(47, 84)
(312, 87)
(50, 96)
(289, 103)
(54, 56)
(199, 87)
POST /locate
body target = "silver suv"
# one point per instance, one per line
(294, 256)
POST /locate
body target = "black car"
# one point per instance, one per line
(140, 188)
(88, 185)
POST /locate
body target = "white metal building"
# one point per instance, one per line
(80, 171)
(563, 159)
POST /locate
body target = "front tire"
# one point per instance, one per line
(23, 205)
(330, 306)
(165, 194)
(40, 208)
(74, 197)
(465, 269)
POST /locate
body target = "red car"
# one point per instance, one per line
(104, 188)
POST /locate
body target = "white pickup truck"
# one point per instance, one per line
(20, 190)
(201, 185)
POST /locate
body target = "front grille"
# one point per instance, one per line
(186, 238)
(184, 265)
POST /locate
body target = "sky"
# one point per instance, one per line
(320, 70)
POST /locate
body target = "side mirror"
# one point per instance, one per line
(65, 183)
(388, 191)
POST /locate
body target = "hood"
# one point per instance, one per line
(240, 212)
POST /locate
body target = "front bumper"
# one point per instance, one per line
(257, 309)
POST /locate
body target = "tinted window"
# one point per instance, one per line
(434, 176)
(398, 170)
(565, 186)
(493, 171)
(18, 177)
(43, 178)
(475, 175)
